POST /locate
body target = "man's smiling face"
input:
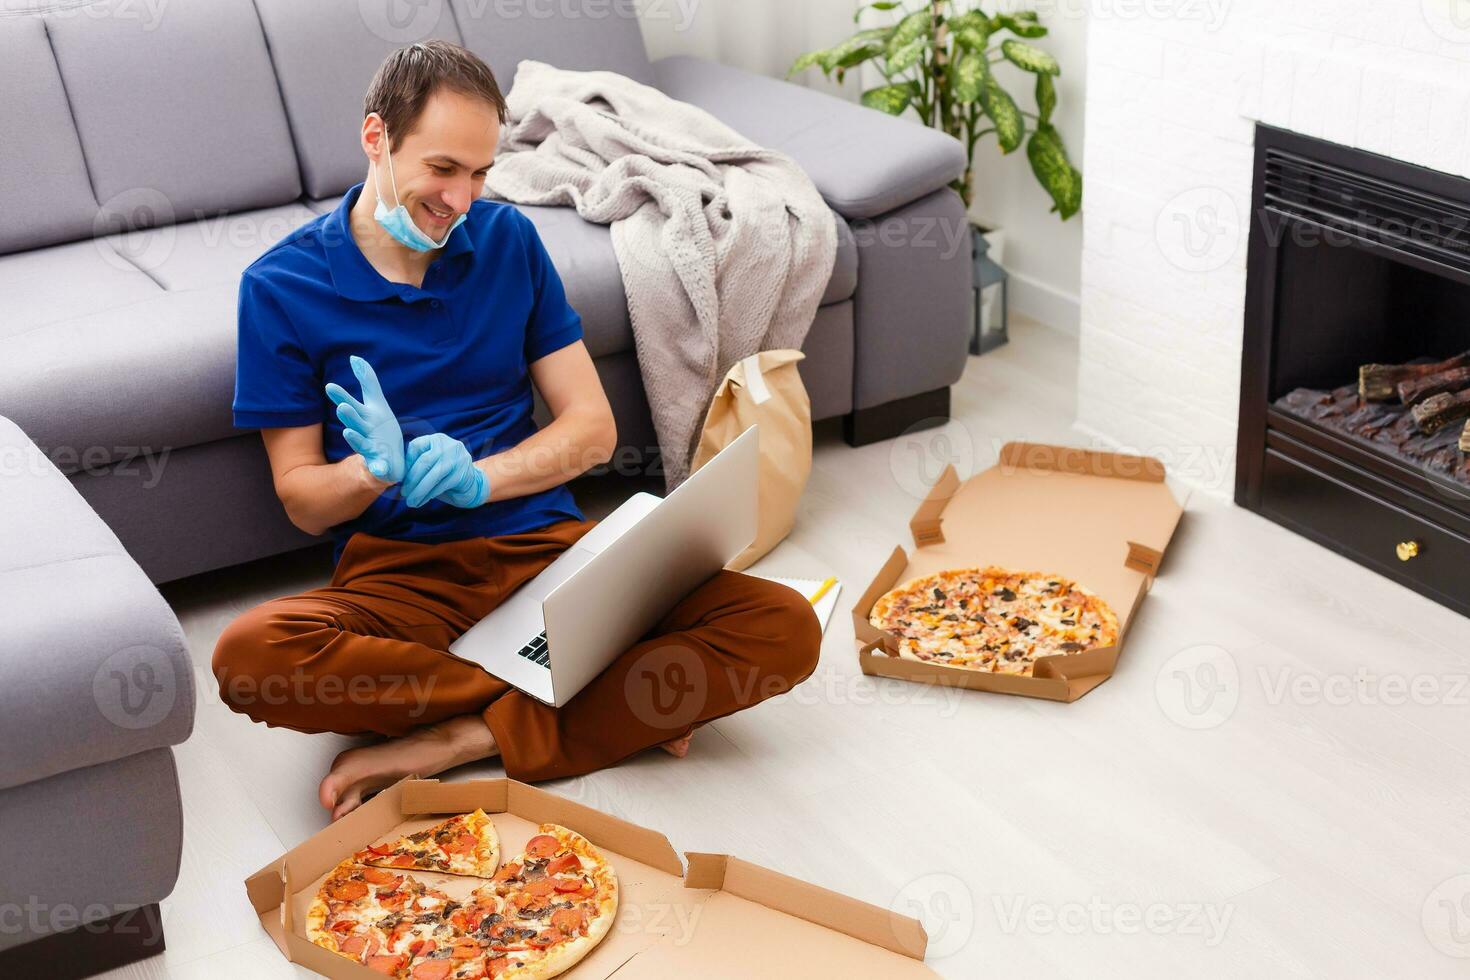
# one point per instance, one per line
(440, 165)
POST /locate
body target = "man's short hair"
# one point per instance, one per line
(406, 79)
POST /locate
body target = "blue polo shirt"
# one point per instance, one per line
(452, 356)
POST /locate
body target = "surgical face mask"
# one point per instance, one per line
(396, 221)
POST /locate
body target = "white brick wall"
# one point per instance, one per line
(1174, 88)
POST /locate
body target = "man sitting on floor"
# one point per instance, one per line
(387, 353)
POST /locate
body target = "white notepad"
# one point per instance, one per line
(807, 586)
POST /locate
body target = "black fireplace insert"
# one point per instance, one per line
(1358, 281)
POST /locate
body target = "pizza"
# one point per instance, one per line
(535, 918)
(551, 905)
(462, 845)
(379, 918)
(993, 619)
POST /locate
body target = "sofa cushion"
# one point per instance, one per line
(323, 95)
(146, 376)
(863, 161)
(826, 371)
(95, 665)
(912, 320)
(158, 313)
(581, 36)
(177, 109)
(63, 282)
(172, 328)
(86, 366)
(169, 512)
(583, 255)
(844, 267)
(210, 252)
(50, 201)
(124, 833)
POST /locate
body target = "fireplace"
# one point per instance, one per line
(1356, 259)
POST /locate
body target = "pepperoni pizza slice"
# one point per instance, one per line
(374, 916)
(549, 908)
(462, 845)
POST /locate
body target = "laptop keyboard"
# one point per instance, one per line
(536, 650)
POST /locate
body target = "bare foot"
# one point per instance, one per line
(679, 747)
(425, 752)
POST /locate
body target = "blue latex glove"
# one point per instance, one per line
(439, 466)
(371, 427)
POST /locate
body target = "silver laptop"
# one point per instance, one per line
(602, 595)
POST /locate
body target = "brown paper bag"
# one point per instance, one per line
(766, 390)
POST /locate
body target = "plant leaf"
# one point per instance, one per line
(971, 30)
(806, 61)
(908, 54)
(880, 5)
(859, 47)
(874, 33)
(858, 55)
(1028, 57)
(892, 99)
(1010, 128)
(969, 76)
(1046, 97)
(1054, 171)
(1022, 24)
(915, 25)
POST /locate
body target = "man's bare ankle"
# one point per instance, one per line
(470, 737)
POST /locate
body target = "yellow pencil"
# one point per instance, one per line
(817, 595)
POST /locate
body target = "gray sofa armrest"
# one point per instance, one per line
(863, 161)
(93, 665)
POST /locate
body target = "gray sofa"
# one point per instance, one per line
(152, 151)
(95, 686)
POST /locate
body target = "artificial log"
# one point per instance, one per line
(1443, 382)
(1379, 382)
(1436, 412)
(1465, 439)
(1386, 427)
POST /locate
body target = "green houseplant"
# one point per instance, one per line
(939, 62)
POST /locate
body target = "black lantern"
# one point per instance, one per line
(987, 276)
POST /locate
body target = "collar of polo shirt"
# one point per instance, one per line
(353, 275)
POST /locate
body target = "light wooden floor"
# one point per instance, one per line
(1203, 814)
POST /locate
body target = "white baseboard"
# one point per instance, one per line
(1046, 303)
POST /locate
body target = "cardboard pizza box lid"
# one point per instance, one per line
(667, 924)
(1041, 505)
(793, 897)
(1102, 519)
(757, 922)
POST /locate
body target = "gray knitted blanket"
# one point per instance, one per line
(724, 248)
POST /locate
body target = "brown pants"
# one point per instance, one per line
(369, 653)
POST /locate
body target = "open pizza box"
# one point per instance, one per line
(1101, 519)
(720, 917)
